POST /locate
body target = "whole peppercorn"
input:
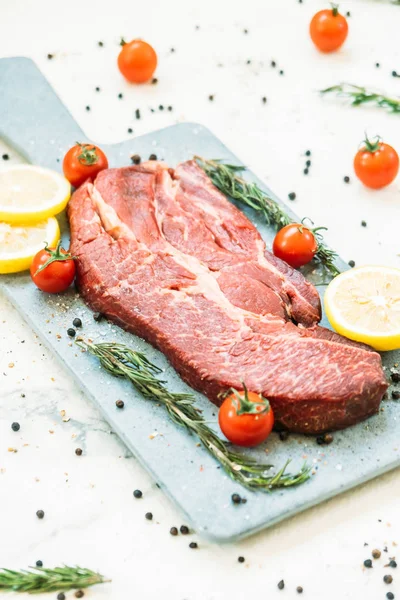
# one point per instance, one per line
(97, 89)
(305, 171)
(368, 563)
(377, 65)
(395, 395)
(184, 529)
(283, 435)
(241, 559)
(154, 80)
(135, 158)
(394, 73)
(120, 96)
(173, 531)
(292, 196)
(363, 223)
(264, 100)
(395, 377)
(390, 596)
(39, 563)
(161, 107)
(346, 179)
(101, 44)
(211, 97)
(299, 589)
(281, 585)
(40, 514)
(61, 596)
(138, 493)
(153, 157)
(137, 113)
(87, 108)
(15, 426)
(78, 451)
(170, 108)
(352, 263)
(97, 316)
(149, 516)
(79, 594)
(119, 404)
(77, 322)
(388, 579)
(193, 545)
(308, 163)
(71, 332)
(308, 153)
(50, 56)
(393, 564)
(273, 64)
(376, 553)
(5, 157)
(281, 72)
(236, 499)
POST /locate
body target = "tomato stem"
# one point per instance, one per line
(244, 406)
(54, 256)
(335, 9)
(122, 42)
(88, 155)
(372, 146)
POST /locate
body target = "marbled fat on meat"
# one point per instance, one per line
(166, 256)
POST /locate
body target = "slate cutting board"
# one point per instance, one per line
(35, 122)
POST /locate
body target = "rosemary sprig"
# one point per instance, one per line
(361, 95)
(39, 579)
(121, 361)
(225, 177)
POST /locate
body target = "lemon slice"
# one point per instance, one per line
(20, 243)
(363, 304)
(29, 194)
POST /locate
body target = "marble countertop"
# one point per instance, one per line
(91, 517)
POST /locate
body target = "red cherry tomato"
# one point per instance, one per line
(83, 161)
(328, 29)
(245, 418)
(376, 164)
(295, 244)
(53, 270)
(137, 61)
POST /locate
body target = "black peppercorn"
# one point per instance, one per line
(245, 31)
(305, 171)
(377, 65)
(308, 163)
(120, 96)
(71, 332)
(248, 62)
(130, 130)
(97, 89)
(40, 514)
(363, 223)
(97, 316)
(264, 100)
(50, 56)
(390, 596)
(87, 108)
(15, 426)
(388, 579)
(393, 564)
(77, 322)
(137, 113)
(170, 108)
(299, 589)
(153, 157)
(348, 14)
(100, 44)
(273, 64)
(352, 263)
(346, 179)
(78, 451)
(135, 158)
(395, 377)
(79, 594)
(173, 531)
(172, 50)
(149, 516)
(61, 596)
(161, 107)
(138, 494)
(39, 563)
(281, 585)
(281, 72)
(368, 563)
(154, 80)
(119, 404)
(396, 395)
(241, 559)
(328, 438)
(308, 152)
(193, 545)
(394, 73)
(236, 499)
(5, 157)
(211, 97)
(292, 196)
(376, 554)
(283, 435)
(184, 529)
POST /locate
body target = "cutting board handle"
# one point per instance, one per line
(33, 119)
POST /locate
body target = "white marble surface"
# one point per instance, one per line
(91, 517)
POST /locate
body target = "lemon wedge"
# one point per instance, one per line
(20, 243)
(363, 304)
(29, 194)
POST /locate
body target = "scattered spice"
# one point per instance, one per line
(308, 163)
(281, 585)
(283, 435)
(120, 96)
(71, 332)
(78, 451)
(211, 97)
(15, 426)
(236, 499)
(326, 438)
(299, 589)
(393, 564)
(137, 113)
(50, 56)
(154, 80)
(5, 157)
(61, 596)
(395, 74)
(87, 107)
(170, 108)
(368, 563)
(390, 596)
(241, 559)
(388, 579)
(264, 100)
(161, 107)
(305, 171)
(308, 153)
(363, 223)
(100, 44)
(119, 404)
(40, 514)
(346, 179)
(79, 594)
(77, 322)
(184, 529)
(348, 14)
(352, 263)
(98, 316)
(138, 494)
(135, 158)
(97, 89)
(281, 72)
(153, 157)
(193, 545)
(376, 553)
(149, 516)
(130, 130)
(173, 531)
(377, 65)
(395, 377)
(172, 50)
(39, 563)
(273, 64)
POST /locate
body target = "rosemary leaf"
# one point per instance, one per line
(121, 361)
(361, 95)
(39, 579)
(226, 179)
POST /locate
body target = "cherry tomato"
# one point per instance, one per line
(53, 270)
(245, 418)
(295, 244)
(376, 164)
(83, 161)
(328, 29)
(137, 61)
